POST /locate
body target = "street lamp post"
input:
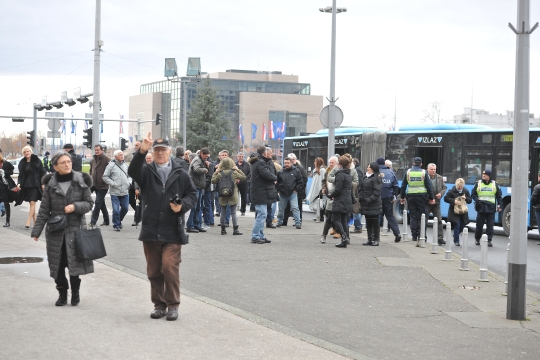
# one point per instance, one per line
(332, 110)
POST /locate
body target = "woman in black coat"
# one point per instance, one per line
(30, 173)
(371, 203)
(457, 222)
(342, 200)
(6, 186)
(66, 193)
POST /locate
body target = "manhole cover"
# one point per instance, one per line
(469, 287)
(20, 260)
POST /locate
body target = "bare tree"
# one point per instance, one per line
(433, 113)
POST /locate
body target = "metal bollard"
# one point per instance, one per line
(404, 232)
(448, 249)
(422, 240)
(434, 238)
(464, 250)
(505, 293)
(384, 231)
(483, 260)
(363, 221)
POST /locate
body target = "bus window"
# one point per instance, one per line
(504, 172)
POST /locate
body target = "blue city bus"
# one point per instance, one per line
(458, 150)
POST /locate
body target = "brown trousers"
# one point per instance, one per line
(163, 270)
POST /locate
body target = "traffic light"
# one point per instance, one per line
(123, 144)
(30, 139)
(158, 119)
(87, 138)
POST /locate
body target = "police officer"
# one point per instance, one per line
(416, 188)
(390, 188)
(487, 197)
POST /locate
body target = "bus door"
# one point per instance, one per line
(431, 154)
(533, 181)
(303, 157)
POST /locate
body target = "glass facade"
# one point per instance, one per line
(229, 94)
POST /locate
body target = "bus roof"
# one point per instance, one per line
(350, 130)
(437, 127)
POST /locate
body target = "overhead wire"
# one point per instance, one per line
(35, 62)
(133, 61)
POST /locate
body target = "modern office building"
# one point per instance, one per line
(248, 97)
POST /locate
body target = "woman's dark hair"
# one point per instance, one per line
(344, 161)
(57, 156)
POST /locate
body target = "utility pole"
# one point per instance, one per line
(97, 100)
(517, 264)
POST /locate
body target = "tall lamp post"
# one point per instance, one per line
(332, 110)
(284, 118)
(243, 124)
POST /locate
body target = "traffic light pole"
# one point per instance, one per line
(34, 126)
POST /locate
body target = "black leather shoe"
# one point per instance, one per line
(456, 243)
(75, 298)
(477, 242)
(490, 244)
(266, 241)
(342, 244)
(299, 226)
(368, 243)
(7, 224)
(3, 213)
(192, 230)
(375, 243)
(172, 314)
(257, 241)
(200, 229)
(158, 313)
(442, 242)
(104, 224)
(398, 238)
(62, 298)
(270, 226)
(134, 223)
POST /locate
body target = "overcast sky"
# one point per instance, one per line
(421, 51)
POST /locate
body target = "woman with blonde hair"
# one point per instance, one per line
(29, 182)
(457, 221)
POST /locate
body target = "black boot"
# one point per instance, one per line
(369, 237)
(223, 231)
(7, 224)
(75, 299)
(62, 299)
(343, 243)
(376, 234)
(236, 231)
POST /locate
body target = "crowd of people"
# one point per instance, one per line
(175, 196)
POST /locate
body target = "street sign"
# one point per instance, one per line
(54, 125)
(53, 134)
(325, 116)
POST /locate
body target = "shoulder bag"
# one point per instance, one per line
(461, 207)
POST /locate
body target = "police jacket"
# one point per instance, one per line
(406, 192)
(289, 180)
(482, 203)
(159, 222)
(390, 186)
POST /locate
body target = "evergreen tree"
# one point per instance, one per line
(207, 125)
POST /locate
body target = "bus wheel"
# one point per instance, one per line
(506, 219)
(398, 209)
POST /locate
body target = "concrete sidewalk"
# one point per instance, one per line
(112, 321)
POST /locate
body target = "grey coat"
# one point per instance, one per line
(116, 175)
(53, 203)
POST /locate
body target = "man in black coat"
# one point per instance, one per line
(243, 185)
(167, 192)
(263, 191)
(179, 158)
(289, 180)
(76, 160)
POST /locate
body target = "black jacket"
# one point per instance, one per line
(263, 190)
(535, 198)
(76, 161)
(450, 197)
(182, 162)
(159, 222)
(246, 169)
(289, 180)
(303, 172)
(37, 172)
(370, 194)
(6, 195)
(342, 194)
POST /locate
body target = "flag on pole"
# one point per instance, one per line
(121, 124)
(271, 130)
(73, 127)
(63, 126)
(253, 131)
(85, 125)
(240, 134)
(279, 130)
(101, 122)
(264, 134)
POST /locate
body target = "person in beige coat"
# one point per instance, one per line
(225, 169)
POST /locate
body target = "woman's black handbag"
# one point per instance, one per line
(56, 223)
(89, 244)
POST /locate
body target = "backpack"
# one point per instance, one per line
(225, 186)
